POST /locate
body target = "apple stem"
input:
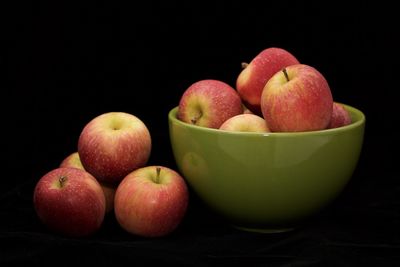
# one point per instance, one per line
(62, 180)
(158, 169)
(286, 75)
(244, 65)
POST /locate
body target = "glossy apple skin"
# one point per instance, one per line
(73, 161)
(245, 123)
(252, 79)
(304, 103)
(146, 208)
(340, 116)
(209, 103)
(113, 144)
(76, 208)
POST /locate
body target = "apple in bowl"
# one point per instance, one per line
(252, 79)
(340, 116)
(209, 103)
(297, 99)
(245, 123)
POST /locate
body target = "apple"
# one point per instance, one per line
(340, 116)
(114, 144)
(73, 161)
(151, 201)
(246, 110)
(69, 201)
(252, 79)
(109, 194)
(296, 99)
(245, 123)
(209, 103)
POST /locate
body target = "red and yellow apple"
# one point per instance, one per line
(73, 161)
(114, 144)
(70, 201)
(245, 123)
(151, 201)
(296, 99)
(252, 79)
(209, 103)
(340, 116)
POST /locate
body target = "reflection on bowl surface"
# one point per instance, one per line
(266, 182)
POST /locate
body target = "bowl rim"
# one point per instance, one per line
(359, 114)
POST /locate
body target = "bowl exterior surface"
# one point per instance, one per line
(266, 181)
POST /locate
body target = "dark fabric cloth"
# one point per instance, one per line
(360, 228)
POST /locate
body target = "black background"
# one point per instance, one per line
(64, 64)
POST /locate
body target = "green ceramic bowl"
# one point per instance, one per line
(266, 182)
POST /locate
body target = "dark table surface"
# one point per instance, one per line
(360, 228)
(64, 64)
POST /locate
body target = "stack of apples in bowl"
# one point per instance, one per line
(271, 152)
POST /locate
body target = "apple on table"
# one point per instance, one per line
(70, 201)
(245, 123)
(114, 144)
(209, 103)
(73, 161)
(151, 201)
(252, 79)
(297, 98)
